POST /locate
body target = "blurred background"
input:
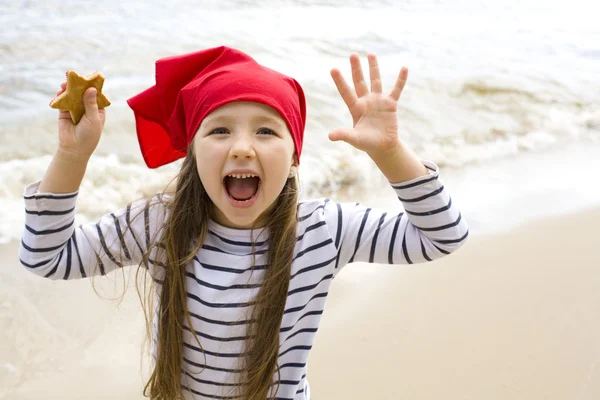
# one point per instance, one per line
(503, 95)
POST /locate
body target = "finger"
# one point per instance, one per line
(64, 115)
(89, 101)
(376, 85)
(360, 86)
(343, 88)
(63, 87)
(341, 134)
(400, 83)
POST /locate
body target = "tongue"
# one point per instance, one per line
(241, 189)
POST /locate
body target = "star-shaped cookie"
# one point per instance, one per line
(72, 99)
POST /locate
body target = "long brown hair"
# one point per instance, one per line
(186, 226)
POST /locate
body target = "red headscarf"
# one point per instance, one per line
(190, 86)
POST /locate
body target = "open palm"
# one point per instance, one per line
(375, 123)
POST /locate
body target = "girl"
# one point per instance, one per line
(241, 268)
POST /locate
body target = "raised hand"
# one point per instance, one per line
(375, 124)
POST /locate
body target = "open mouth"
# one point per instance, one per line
(241, 187)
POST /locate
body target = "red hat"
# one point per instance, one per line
(190, 86)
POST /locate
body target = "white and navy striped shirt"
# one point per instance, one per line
(221, 286)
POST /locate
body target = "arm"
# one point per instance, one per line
(76, 145)
(428, 227)
(64, 174)
(53, 247)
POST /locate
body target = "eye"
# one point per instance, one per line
(266, 131)
(219, 131)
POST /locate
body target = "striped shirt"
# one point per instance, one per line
(220, 283)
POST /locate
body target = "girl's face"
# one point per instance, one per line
(244, 152)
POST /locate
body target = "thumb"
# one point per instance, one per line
(341, 134)
(89, 101)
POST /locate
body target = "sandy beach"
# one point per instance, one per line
(512, 315)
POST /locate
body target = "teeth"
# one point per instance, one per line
(241, 176)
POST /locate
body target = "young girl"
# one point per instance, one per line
(241, 268)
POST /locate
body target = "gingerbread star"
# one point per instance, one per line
(72, 99)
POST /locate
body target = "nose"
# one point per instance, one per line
(242, 147)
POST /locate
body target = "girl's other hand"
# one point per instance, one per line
(80, 141)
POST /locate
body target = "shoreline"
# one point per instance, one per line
(505, 194)
(493, 196)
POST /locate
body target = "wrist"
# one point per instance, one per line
(390, 150)
(398, 163)
(65, 172)
(69, 156)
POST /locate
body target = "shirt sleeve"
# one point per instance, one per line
(53, 247)
(428, 227)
